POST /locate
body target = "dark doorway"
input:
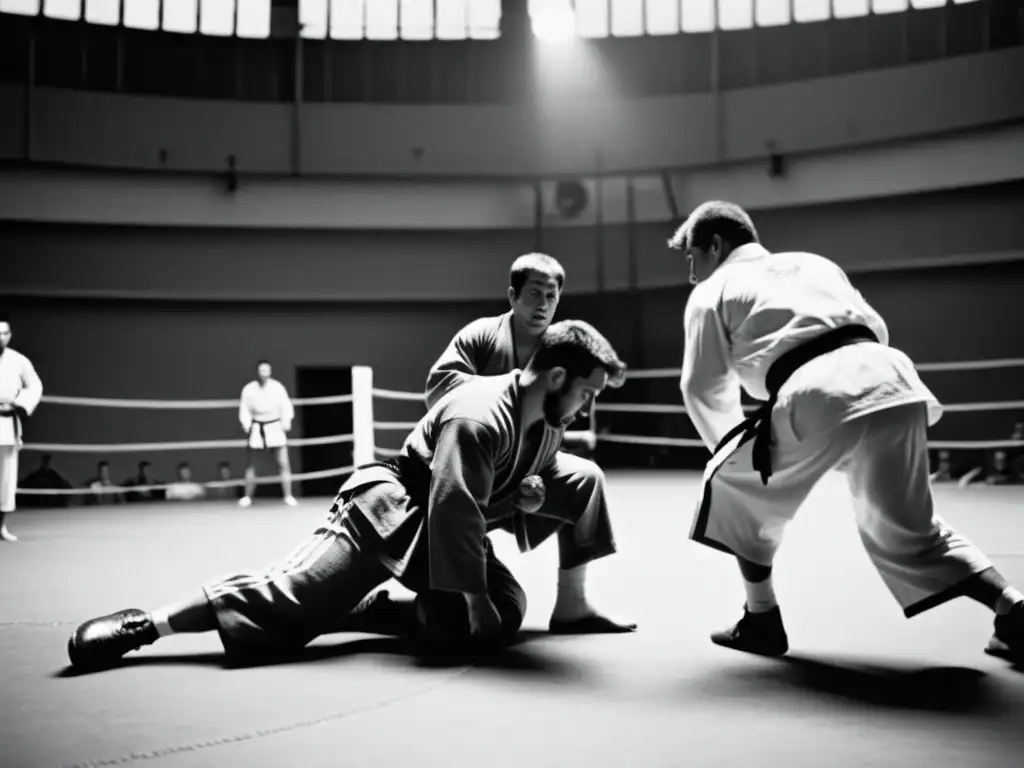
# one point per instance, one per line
(322, 421)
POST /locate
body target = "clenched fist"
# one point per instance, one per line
(531, 494)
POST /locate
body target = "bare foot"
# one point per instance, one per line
(592, 624)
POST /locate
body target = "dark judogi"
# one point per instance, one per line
(421, 518)
(487, 347)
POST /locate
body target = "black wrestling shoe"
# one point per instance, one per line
(102, 642)
(1007, 640)
(760, 633)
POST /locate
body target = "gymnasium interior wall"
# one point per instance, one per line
(191, 347)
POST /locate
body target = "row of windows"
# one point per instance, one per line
(455, 19)
(61, 54)
(246, 18)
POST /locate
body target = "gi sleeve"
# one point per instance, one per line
(458, 363)
(710, 387)
(244, 414)
(462, 474)
(287, 408)
(31, 391)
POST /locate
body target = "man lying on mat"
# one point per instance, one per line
(421, 518)
(491, 346)
(792, 330)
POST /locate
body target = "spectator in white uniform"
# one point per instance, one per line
(20, 393)
(266, 415)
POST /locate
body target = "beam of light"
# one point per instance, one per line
(554, 22)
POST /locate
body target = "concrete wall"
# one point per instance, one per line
(45, 259)
(191, 348)
(554, 137)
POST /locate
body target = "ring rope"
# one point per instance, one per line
(237, 483)
(116, 402)
(679, 442)
(963, 365)
(651, 373)
(195, 445)
(395, 425)
(1007, 405)
(651, 408)
(975, 445)
(394, 394)
(995, 405)
(683, 442)
(675, 442)
(391, 394)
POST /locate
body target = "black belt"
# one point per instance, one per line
(263, 432)
(760, 421)
(14, 413)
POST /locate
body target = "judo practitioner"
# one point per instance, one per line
(792, 330)
(20, 392)
(421, 518)
(491, 346)
(266, 415)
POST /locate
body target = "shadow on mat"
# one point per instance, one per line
(513, 658)
(958, 690)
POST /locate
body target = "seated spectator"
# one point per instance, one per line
(103, 488)
(45, 477)
(184, 488)
(999, 473)
(225, 492)
(142, 479)
(943, 471)
(1015, 455)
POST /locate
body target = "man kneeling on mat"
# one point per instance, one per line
(468, 467)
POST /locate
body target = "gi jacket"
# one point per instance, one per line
(19, 382)
(484, 347)
(758, 306)
(453, 481)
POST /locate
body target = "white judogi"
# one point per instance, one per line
(861, 409)
(266, 414)
(20, 382)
